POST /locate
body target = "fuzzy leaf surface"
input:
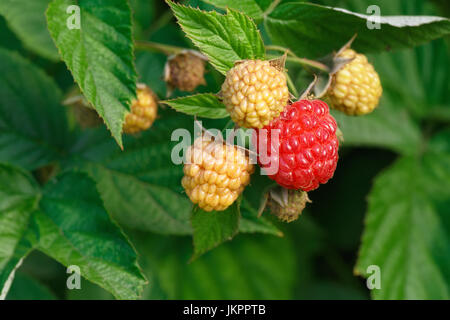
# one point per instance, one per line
(407, 231)
(255, 9)
(205, 105)
(33, 125)
(99, 54)
(213, 228)
(314, 31)
(27, 19)
(75, 229)
(224, 39)
(140, 186)
(19, 195)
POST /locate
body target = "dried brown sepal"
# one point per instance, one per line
(334, 62)
(308, 93)
(279, 63)
(286, 204)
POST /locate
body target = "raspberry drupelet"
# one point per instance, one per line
(356, 88)
(215, 174)
(307, 150)
(254, 92)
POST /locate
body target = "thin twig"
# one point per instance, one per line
(294, 58)
(157, 47)
(291, 85)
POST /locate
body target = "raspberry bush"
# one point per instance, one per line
(131, 143)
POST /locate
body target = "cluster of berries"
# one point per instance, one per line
(299, 138)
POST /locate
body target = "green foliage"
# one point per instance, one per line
(54, 221)
(251, 266)
(27, 20)
(92, 242)
(115, 206)
(407, 231)
(251, 223)
(140, 186)
(203, 105)
(290, 22)
(19, 197)
(99, 55)
(389, 127)
(253, 8)
(27, 288)
(213, 228)
(224, 39)
(34, 134)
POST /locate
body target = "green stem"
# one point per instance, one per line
(272, 7)
(302, 61)
(157, 47)
(273, 47)
(291, 85)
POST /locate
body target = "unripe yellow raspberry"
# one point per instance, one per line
(255, 92)
(143, 111)
(356, 88)
(215, 174)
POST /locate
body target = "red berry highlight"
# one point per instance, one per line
(307, 148)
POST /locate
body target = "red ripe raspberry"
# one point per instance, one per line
(307, 148)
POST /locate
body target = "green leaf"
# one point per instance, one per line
(70, 225)
(253, 199)
(428, 73)
(251, 223)
(140, 204)
(18, 199)
(407, 231)
(224, 39)
(27, 288)
(141, 186)
(206, 105)
(8, 40)
(389, 126)
(148, 64)
(89, 291)
(257, 225)
(143, 15)
(27, 20)
(75, 229)
(213, 228)
(33, 126)
(249, 267)
(255, 9)
(99, 55)
(440, 143)
(313, 31)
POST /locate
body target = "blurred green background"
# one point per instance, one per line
(315, 257)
